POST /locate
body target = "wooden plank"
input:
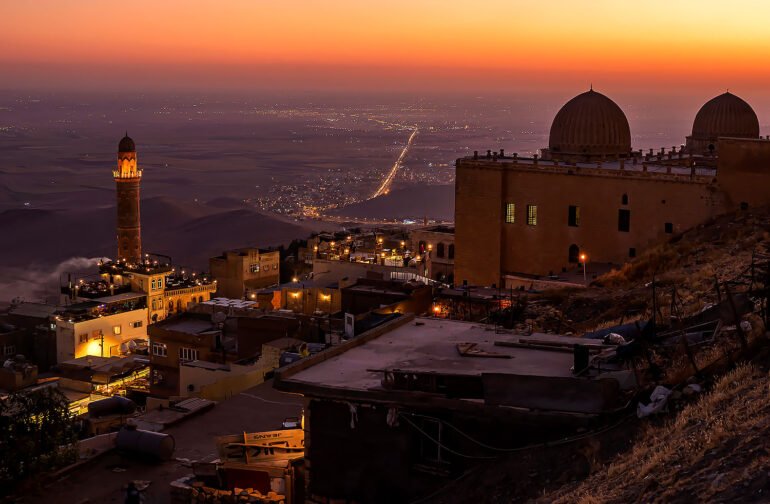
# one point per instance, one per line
(472, 350)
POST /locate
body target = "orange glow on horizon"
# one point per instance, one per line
(672, 41)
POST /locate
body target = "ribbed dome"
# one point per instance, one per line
(590, 124)
(126, 144)
(725, 116)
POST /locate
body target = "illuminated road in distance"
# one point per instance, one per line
(388, 181)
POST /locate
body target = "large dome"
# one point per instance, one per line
(590, 124)
(126, 144)
(725, 116)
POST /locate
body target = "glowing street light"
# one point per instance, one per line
(584, 259)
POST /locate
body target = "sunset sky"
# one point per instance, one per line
(441, 44)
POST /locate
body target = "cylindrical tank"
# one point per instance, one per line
(115, 405)
(142, 442)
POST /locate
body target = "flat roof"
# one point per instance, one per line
(611, 166)
(36, 310)
(428, 345)
(120, 297)
(188, 325)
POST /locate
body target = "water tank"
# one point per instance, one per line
(148, 443)
(115, 405)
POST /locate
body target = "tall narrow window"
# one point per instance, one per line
(624, 220)
(532, 215)
(510, 213)
(573, 217)
(451, 254)
(624, 199)
(669, 227)
(574, 253)
(440, 250)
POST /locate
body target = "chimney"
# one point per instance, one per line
(502, 152)
(475, 154)
(535, 158)
(489, 154)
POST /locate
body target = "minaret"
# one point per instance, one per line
(127, 179)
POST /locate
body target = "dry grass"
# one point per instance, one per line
(691, 263)
(717, 449)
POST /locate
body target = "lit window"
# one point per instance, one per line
(83, 338)
(116, 330)
(510, 213)
(188, 354)
(573, 218)
(159, 349)
(532, 215)
(254, 268)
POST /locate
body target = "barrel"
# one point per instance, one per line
(141, 442)
(115, 405)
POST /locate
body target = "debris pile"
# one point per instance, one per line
(188, 490)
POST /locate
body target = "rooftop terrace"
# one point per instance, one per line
(428, 345)
(674, 165)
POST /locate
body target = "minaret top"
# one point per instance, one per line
(126, 144)
(127, 167)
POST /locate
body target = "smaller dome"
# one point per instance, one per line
(725, 116)
(126, 144)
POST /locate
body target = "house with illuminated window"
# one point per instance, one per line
(435, 246)
(213, 356)
(245, 269)
(103, 328)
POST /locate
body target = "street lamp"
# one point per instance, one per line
(584, 259)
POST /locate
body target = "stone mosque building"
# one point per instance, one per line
(590, 193)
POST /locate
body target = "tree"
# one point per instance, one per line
(37, 434)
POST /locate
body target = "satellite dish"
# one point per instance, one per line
(218, 317)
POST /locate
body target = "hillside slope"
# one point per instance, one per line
(716, 450)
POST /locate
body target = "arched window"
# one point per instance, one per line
(179, 304)
(574, 253)
(451, 254)
(440, 250)
(170, 306)
(422, 247)
(624, 199)
(200, 299)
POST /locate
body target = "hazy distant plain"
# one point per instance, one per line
(231, 171)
